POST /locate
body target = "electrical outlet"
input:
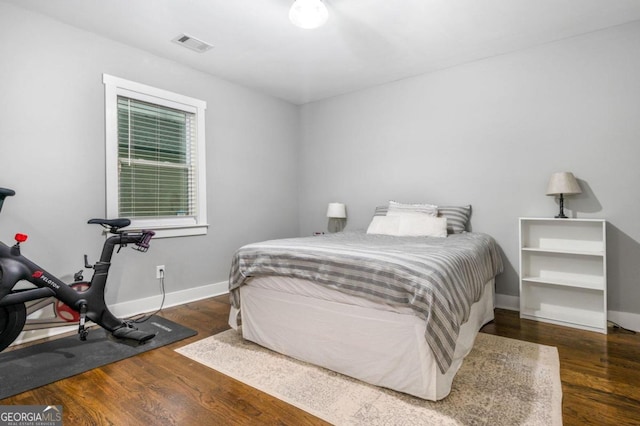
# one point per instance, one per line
(160, 271)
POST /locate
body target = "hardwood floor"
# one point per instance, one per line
(600, 379)
(600, 373)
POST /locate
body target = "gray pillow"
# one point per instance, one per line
(457, 217)
(381, 211)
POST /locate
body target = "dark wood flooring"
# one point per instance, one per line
(600, 380)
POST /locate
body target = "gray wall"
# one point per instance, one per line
(490, 133)
(52, 154)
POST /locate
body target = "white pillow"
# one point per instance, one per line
(419, 225)
(400, 208)
(384, 225)
(409, 225)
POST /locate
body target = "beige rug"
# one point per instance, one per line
(502, 382)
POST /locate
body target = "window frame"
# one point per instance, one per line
(164, 227)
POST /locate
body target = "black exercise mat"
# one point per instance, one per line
(38, 365)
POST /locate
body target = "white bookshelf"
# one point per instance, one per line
(563, 272)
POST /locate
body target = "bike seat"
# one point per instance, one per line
(112, 223)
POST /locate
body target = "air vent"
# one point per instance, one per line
(192, 43)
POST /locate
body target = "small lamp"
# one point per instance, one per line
(563, 183)
(337, 213)
(308, 14)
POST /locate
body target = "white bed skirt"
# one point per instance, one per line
(376, 343)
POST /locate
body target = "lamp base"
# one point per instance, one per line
(336, 224)
(561, 215)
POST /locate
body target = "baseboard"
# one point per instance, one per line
(136, 307)
(627, 320)
(151, 304)
(504, 301)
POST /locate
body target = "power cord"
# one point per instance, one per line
(164, 294)
(619, 327)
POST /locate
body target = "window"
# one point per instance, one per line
(155, 158)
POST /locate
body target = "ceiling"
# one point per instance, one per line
(365, 42)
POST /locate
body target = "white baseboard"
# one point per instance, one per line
(151, 304)
(136, 307)
(627, 320)
(504, 301)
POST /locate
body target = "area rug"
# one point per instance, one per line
(501, 382)
(38, 365)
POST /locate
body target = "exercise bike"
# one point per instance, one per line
(74, 302)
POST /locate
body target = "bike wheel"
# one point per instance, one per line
(12, 319)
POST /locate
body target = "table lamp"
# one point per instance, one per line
(563, 183)
(337, 213)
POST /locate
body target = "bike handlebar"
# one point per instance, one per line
(5, 192)
(140, 238)
(144, 242)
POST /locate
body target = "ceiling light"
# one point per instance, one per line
(308, 14)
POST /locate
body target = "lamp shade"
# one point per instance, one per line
(563, 183)
(308, 14)
(337, 211)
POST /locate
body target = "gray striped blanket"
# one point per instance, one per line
(439, 278)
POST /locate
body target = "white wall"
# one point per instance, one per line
(490, 133)
(52, 153)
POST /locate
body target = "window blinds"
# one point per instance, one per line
(156, 160)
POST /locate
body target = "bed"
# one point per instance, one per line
(393, 310)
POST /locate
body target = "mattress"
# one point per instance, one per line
(381, 344)
(437, 278)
